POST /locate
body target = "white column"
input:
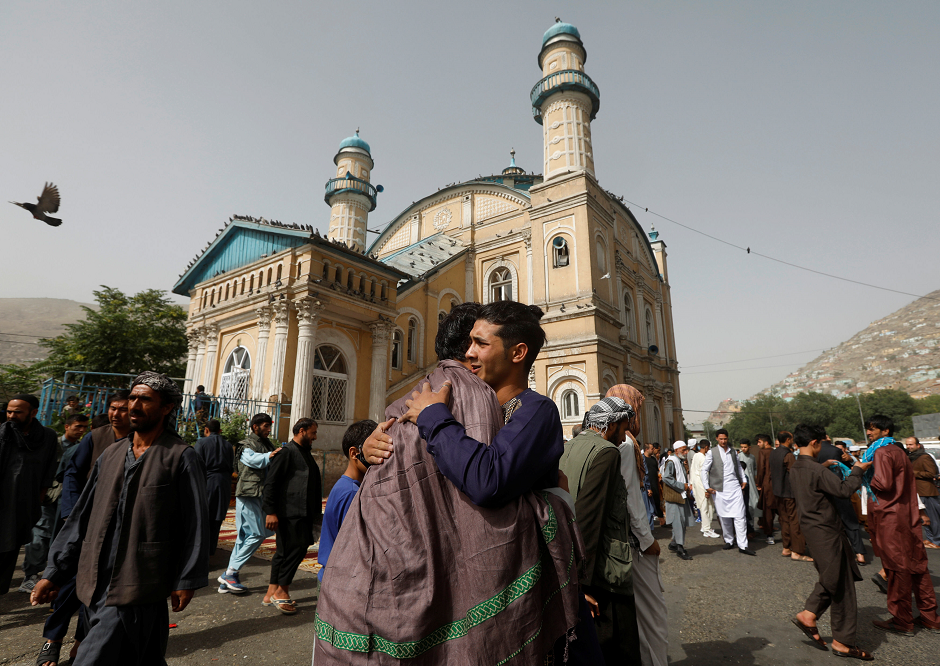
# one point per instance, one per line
(192, 335)
(469, 296)
(378, 387)
(200, 362)
(308, 314)
(281, 323)
(212, 349)
(258, 364)
(528, 262)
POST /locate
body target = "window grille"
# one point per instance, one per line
(396, 350)
(330, 381)
(501, 285)
(570, 404)
(235, 375)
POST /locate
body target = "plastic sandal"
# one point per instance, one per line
(49, 654)
(812, 633)
(282, 603)
(854, 653)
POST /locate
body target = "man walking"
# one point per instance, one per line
(895, 527)
(751, 494)
(706, 506)
(676, 493)
(217, 457)
(253, 455)
(722, 475)
(781, 460)
(839, 466)
(27, 469)
(591, 462)
(138, 535)
(765, 487)
(926, 478)
(816, 492)
(292, 503)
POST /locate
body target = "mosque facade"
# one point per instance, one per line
(338, 328)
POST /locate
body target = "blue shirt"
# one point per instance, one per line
(523, 456)
(337, 504)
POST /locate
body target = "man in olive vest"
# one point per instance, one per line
(591, 462)
(138, 534)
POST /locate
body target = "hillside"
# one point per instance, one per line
(45, 317)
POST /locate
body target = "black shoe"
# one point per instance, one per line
(880, 582)
(673, 547)
(747, 551)
(727, 546)
(683, 555)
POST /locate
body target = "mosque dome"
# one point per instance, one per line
(355, 142)
(560, 28)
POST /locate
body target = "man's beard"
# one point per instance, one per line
(146, 426)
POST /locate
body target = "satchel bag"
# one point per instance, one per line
(671, 495)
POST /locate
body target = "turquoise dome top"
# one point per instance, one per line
(558, 29)
(355, 142)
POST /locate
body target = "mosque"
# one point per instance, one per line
(339, 328)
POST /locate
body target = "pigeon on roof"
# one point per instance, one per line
(47, 202)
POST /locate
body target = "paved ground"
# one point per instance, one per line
(724, 608)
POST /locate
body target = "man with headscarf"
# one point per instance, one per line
(138, 534)
(591, 462)
(648, 593)
(677, 492)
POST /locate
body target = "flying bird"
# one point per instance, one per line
(47, 202)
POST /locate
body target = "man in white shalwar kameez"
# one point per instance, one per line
(723, 477)
(703, 500)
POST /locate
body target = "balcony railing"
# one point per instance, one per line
(350, 183)
(566, 79)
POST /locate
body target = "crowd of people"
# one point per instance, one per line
(464, 527)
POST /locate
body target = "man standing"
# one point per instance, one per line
(27, 469)
(676, 493)
(652, 473)
(765, 487)
(706, 505)
(37, 550)
(751, 494)
(816, 492)
(895, 527)
(218, 458)
(722, 475)
(292, 504)
(591, 462)
(781, 460)
(254, 454)
(839, 466)
(138, 535)
(925, 476)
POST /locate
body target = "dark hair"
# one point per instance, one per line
(71, 398)
(879, 421)
(26, 397)
(303, 424)
(783, 436)
(576, 430)
(76, 417)
(803, 434)
(453, 332)
(916, 440)
(704, 442)
(763, 438)
(357, 434)
(214, 426)
(99, 420)
(120, 396)
(656, 445)
(200, 388)
(721, 431)
(260, 419)
(517, 323)
(745, 441)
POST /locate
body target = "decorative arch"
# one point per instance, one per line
(405, 312)
(513, 276)
(628, 310)
(444, 293)
(236, 371)
(608, 380)
(328, 335)
(569, 396)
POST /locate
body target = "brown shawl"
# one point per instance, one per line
(419, 575)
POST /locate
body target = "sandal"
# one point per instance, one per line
(786, 552)
(854, 653)
(812, 633)
(49, 653)
(286, 606)
(802, 558)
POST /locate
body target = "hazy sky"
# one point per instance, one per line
(806, 131)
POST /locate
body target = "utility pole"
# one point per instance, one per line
(860, 415)
(771, 413)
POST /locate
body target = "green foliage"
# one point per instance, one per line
(126, 334)
(23, 378)
(839, 416)
(235, 426)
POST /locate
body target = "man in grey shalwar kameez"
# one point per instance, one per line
(129, 555)
(678, 503)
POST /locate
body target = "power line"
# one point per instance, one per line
(763, 367)
(23, 335)
(756, 358)
(779, 261)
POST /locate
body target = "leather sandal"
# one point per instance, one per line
(854, 653)
(801, 558)
(812, 633)
(49, 653)
(286, 606)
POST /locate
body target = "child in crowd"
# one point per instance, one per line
(345, 489)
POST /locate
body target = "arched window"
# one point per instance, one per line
(396, 349)
(657, 424)
(330, 381)
(560, 256)
(235, 373)
(212, 298)
(650, 328)
(570, 405)
(226, 292)
(269, 277)
(205, 295)
(251, 285)
(501, 285)
(601, 256)
(384, 291)
(628, 315)
(349, 279)
(279, 268)
(242, 293)
(412, 341)
(326, 271)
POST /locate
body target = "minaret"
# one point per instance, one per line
(565, 102)
(350, 195)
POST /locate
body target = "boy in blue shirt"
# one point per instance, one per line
(345, 489)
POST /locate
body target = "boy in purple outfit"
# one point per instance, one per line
(345, 489)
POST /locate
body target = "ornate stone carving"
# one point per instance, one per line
(308, 309)
(381, 331)
(281, 313)
(443, 218)
(527, 239)
(264, 316)
(195, 336)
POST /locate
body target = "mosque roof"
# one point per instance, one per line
(355, 142)
(425, 255)
(560, 28)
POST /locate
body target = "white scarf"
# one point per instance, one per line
(680, 471)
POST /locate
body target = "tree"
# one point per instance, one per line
(126, 334)
(755, 418)
(23, 378)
